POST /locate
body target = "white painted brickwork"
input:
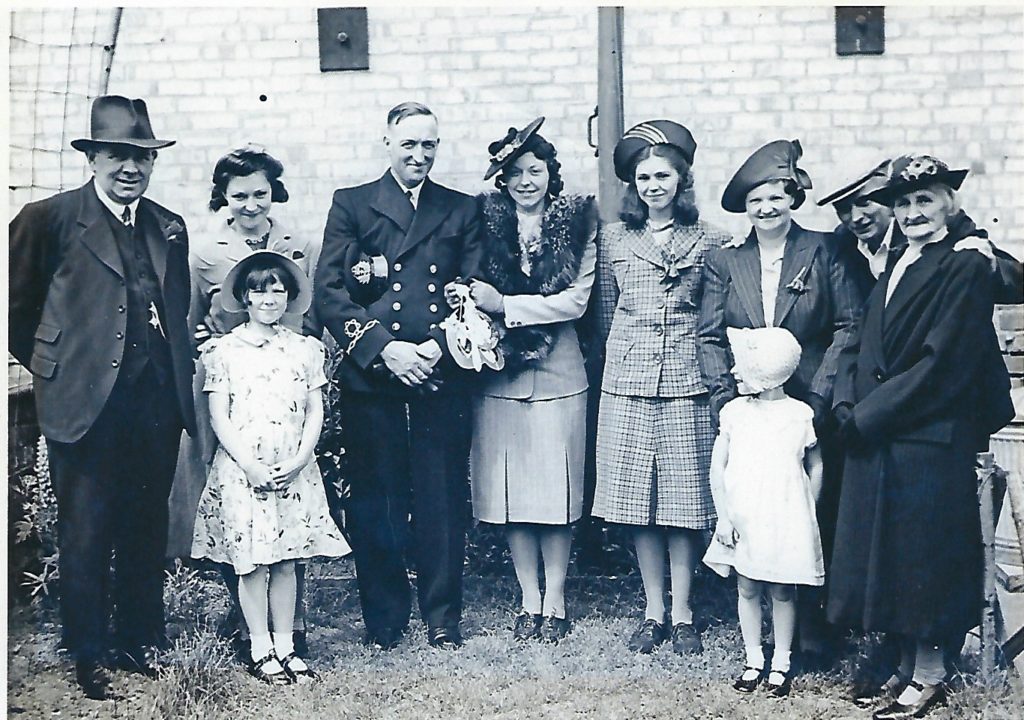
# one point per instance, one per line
(950, 82)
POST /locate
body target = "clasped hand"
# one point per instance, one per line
(273, 478)
(412, 363)
(485, 295)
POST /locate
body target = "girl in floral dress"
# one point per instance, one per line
(264, 506)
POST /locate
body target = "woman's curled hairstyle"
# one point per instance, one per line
(542, 149)
(684, 208)
(244, 162)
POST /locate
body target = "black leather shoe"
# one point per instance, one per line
(385, 638)
(645, 638)
(931, 696)
(779, 690)
(444, 638)
(554, 629)
(686, 639)
(90, 677)
(868, 694)
(748, 685)
(140, 660)
(527, 625)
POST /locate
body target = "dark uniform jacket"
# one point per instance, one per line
(424, 249)
(68, 305)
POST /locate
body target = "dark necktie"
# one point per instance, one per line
(126, 218)
(408, 194)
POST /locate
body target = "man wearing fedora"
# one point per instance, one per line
(405, 424)
(866, 236)
(99, 292)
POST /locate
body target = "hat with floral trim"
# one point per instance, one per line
(912, 172)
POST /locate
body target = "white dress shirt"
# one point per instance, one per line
(413, 193)
(117, 208)
(771, 276)
(877, 259)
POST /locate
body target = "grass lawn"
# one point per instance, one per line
(590, 674)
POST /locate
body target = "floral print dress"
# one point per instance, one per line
(267, 385)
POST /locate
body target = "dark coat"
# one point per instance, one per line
(816, 302)
(424, 249)
(926, 385)
(68, 300)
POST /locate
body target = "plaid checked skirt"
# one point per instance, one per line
(653, 457)
(526, 462)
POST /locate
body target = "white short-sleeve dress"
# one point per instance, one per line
(268, 385)
(768, 493)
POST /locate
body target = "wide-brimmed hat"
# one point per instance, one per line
(504, 151)
(117, 120)
(765, 357)
(774, 161)
(651, 132)
(912, 172)
(266, 259)
(847, 186)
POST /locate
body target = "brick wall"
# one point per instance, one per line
(951, 82)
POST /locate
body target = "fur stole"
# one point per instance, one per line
(567, 225)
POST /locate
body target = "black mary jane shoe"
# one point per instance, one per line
(527, 625)
(867, 695)
(257, 669)
(744, 685)
(779, 690)
(931, 696)
(444, 638)
(298, 675)
(645, 638)
(554, 629)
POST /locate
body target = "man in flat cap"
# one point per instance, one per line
(99, 292)
(866, 236)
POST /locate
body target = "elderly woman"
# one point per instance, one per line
(654, 433)
(782, 275)
(246, 181)
(915, 402)
(529, 428)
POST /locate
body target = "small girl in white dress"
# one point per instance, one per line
(264, 505)
(765, 478)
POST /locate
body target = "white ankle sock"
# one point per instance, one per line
(260, 645)
(780, 661)
(283, 645)
(755, 657)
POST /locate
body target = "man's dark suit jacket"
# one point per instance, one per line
(68, 305)
(425, 250)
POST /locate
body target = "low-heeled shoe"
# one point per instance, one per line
(748, 686)
(867, 695)
(931, 696)
(91, 678)
(686, 640)
(445, 638)
(384, 638)
(527, 625)
(649, 635)
(781, 690)
(554, 628)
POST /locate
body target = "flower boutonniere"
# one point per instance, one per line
(173, 230)
(799, 283)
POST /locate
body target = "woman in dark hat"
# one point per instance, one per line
(654, 432)
(915, 403)
(784, 276)
(246, 181)
(529, 427)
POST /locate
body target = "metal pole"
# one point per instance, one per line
(108, 52)
(609, 101)
(986, 470)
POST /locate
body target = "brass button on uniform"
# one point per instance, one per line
(398, 267)
(120, 308)
(396, 327)
(433, 308)
(114, 363)
(433, 269)
(431, 287)
(120, 336)
(433, 326)
(396, 306)
(397, 287)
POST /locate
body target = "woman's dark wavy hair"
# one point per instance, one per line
(242, 163)
(684, 208)
(538, 146)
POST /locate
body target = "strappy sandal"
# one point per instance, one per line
(282, 677)
(300, 676)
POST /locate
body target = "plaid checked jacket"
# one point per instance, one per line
(649, 325)
(817, 302)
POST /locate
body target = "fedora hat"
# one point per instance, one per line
(266, 259)
(505, 150)
(913, 172)
(117, 120)
(847, 187)
(651, 132)
(774, 161)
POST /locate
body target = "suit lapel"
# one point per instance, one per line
(915, 277)
(96, 232)
(430, 211)
(392, 202)
(745, 270)
(796, 261)
(642, 245)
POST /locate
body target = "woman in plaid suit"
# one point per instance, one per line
(654, 433)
